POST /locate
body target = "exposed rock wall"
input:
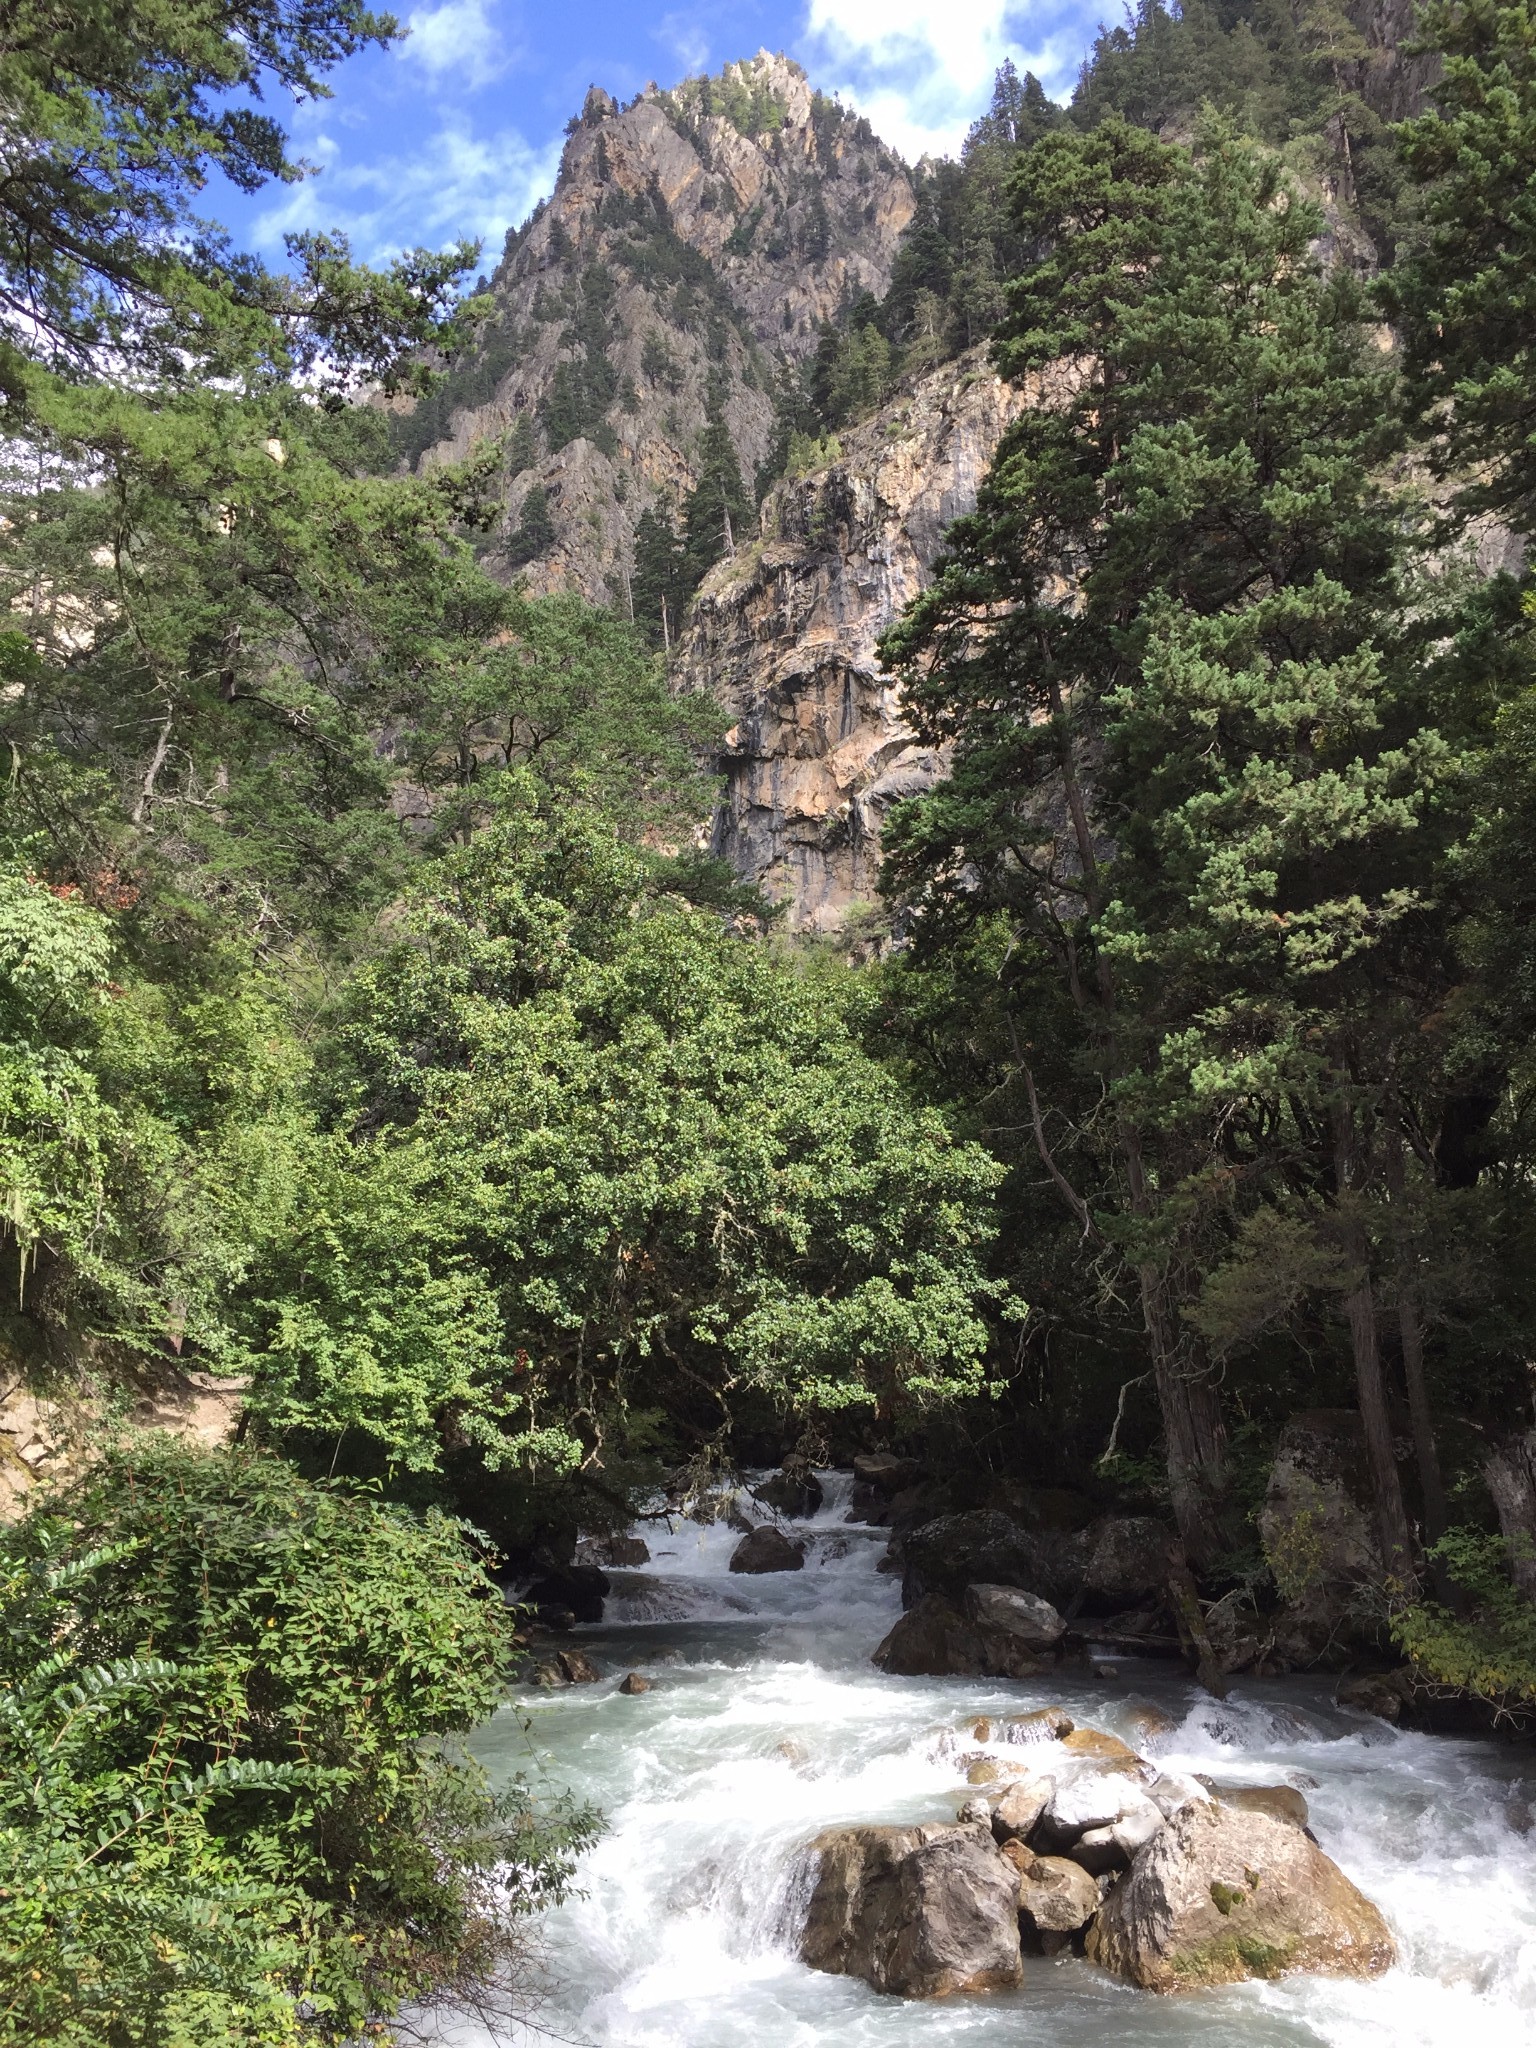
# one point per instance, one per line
(785, 634)
(719, 255)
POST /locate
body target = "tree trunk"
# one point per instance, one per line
(1410, 1328)
(1370, 1382)
(1511, 1475)
(1194, 1435)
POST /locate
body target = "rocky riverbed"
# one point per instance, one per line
(767, 1737)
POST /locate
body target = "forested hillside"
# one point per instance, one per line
(377, 1046)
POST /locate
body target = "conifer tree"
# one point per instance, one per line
(1186, 777)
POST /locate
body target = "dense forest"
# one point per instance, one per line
(375, 1040)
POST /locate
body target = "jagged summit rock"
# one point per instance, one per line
(695, 240)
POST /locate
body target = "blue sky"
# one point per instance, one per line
(458, 129)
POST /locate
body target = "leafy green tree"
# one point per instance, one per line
(233, 1806)
(650, 1164)
(1189, 779)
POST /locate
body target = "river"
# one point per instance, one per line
(767, 1722)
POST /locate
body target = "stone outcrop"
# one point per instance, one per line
(1055, 1897)
(794, 1491)
(920, 1912)
(49, 1432)
(767, 1550)
(1116, 1560)
(1316, 1528)
(1219, 1895)
(785, 634)
(935, 1639)
(683, 255)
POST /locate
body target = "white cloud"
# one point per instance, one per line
(454, 183)
(458, 36)
(922, 69)
(684, 36)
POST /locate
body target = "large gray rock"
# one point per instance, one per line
(1219, 1895)
(1318, 1535)
(935, 1640)
(794, 1491)
(982, 1548)
(767, 1550)
(1012, 1612)
(919, 1912)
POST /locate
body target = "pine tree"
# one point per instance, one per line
(1186, 777)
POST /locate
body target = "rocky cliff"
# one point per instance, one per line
(785, 632)
(695, 242)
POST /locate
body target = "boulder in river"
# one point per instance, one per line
(1220, 1895)
(1055, 1895)
(916, 1911)
(1034, 1621)
(767, 1549)
(1044, 1724)
(1280, 1802)
(796, 1491)
(983, 1548)
(621, 1552)
(567, 1667)
(1017, 1814)
(634, 1683)
(1383, 1693)
(884, 1473)
(577, 1590)
(935, 1640)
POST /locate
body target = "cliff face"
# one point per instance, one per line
(694, 242)
(785, 631)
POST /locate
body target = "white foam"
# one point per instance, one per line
(767, 1722)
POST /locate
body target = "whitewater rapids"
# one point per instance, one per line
(767, 1722)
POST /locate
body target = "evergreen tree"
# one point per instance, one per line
(534, 534)
(1466, 291)
(1191, 784)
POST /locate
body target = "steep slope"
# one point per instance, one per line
(785, 631)
(695, 242)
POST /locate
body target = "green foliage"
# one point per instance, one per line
(121, 115)
(232, 1804)
(655, 1157)
(534, 534)
(1486, 1646)
(1464, 289)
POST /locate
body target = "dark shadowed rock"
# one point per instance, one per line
(579, 1589)
(1383, 1693)
(634, 1683)
(983, 1548)
(883, 1472)
(567, 1667)
(621, 1552)
(1127, 1557)
(935, 1640)
(1219, 1895)
(767, 1550)
(1012, 1612)
(795, 1491)
(919, 1912)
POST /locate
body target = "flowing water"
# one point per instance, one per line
(767, 1722)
